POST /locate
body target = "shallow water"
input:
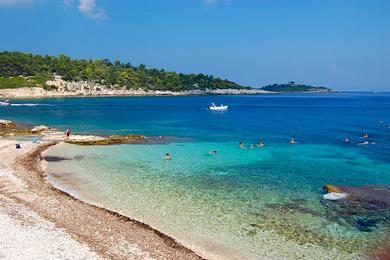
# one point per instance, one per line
(240, 203)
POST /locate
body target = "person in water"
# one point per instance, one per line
(261, 144)
(292, 141)
(213, 152)
(242, 145)
(365, 136)
(167, 156)
(346, 140)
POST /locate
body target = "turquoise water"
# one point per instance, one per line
(239, 203)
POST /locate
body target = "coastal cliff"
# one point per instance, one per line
(57, 87)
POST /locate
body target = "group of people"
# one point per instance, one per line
(241, 145)
(262, 144)
(364, 142)
(259, 144)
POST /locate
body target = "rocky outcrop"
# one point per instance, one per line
(40, 128)
(99, 140)
(7, 124)
(366, 207)
(45, 133)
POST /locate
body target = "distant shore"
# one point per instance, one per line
(61, 88)
(88, 231)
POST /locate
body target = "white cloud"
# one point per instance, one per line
(88, 7)
(15, 2)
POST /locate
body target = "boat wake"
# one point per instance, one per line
(29, 105)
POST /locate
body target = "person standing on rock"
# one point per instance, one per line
(67, 134)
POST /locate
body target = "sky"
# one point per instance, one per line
(341, 44)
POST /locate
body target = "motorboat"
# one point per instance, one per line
(4, 103)
(218, 108)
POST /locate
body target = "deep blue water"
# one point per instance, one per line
(310, 118)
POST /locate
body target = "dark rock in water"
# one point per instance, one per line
(365, 208)
(364, 224)
(369, 195)
(79, 157)
(55, 158)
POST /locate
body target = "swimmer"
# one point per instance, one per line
(242, 145)
(365, 136)
(346, 140)
(261, 144)
(292, 141)
(213, 152)
(167, 156)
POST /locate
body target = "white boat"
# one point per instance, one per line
(4, 103)
(218, 108)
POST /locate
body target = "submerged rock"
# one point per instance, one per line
(369, 196)
(293, 206)
(365, 207)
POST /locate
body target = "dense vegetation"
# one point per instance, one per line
(105, 72)
(18, 82)
(294, 87)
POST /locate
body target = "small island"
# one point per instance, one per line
(295, 87)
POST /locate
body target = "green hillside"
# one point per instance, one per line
(35, 68)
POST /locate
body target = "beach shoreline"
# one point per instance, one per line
(104, 233)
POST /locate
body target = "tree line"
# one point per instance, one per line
(294, 87)
(105, 72)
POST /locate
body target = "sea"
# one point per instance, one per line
(240, 203)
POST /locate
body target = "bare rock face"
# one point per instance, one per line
(39, 128)
(7, 124)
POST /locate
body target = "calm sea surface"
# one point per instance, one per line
(239, 203)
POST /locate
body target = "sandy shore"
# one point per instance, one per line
(38, 221)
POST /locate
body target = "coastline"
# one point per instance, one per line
(100, 91)
(105, 233)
